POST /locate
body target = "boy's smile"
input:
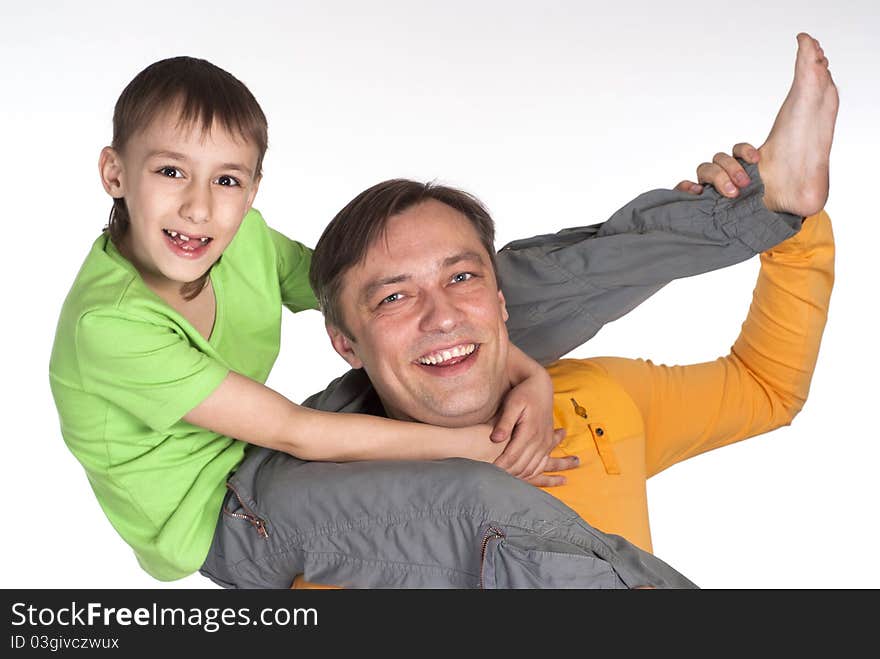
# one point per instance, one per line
(187, 190)
(187, 246)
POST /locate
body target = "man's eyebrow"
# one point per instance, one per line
(463, 256)
(371, 287)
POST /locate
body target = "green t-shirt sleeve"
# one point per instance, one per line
(294, 260)
(147, 369)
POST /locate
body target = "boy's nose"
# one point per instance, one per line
(196, 207)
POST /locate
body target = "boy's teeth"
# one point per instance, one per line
(184, 238)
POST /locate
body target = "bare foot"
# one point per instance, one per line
(794, 159)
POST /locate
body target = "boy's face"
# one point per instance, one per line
(186, 192)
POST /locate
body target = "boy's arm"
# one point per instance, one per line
(293, 261)
(154, 374)
(562, 288)
(249, 411)
(763, 383)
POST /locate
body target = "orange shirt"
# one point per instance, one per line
(628, 419)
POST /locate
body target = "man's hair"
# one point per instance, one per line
(203, 94)
(348, 237)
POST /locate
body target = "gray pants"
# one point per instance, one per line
(463, 524)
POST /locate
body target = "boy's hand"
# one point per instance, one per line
(526, 419)
(547, 479)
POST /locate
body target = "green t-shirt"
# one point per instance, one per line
(126, 367)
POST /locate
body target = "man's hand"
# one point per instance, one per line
(526, 420)
(724, 173)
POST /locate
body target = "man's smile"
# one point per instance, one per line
(445, 355)
(452, 360)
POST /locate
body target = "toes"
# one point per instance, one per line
(807, 43)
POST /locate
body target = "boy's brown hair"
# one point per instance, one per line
(356, 227)
(204, 93)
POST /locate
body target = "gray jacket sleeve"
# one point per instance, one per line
(562, 288)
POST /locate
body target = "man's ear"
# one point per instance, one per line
(110, 170)
(503, 304)
(343, 345)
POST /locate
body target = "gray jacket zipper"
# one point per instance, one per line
(258, 522)
(491, 532)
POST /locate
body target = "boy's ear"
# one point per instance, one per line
(110, 169)
(343, 345)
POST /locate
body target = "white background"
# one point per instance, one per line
(555, 114)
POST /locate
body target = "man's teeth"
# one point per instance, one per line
(444, 355)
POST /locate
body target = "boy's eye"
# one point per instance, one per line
(170, 172)
(228, 181)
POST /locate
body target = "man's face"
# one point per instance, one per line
(427, 319)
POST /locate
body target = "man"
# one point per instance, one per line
(406, 277)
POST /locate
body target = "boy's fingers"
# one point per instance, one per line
(507, 458)
(545, 480)
(531, 464)
(516, 458)
(505, 424)
(536, 468)
(562, 464)
(558, 436)
(548, 479)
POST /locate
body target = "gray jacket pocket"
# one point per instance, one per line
(515, 561)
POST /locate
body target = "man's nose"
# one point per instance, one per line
(440, 313)
(196, 205)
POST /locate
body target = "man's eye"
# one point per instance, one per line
(228, 181)
(462, 276)
(394, 297)
(170, 172)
